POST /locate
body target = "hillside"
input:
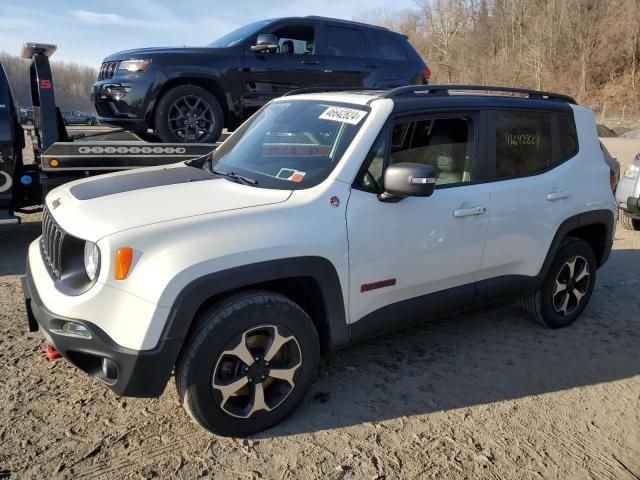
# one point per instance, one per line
(72, 82)
(589, 49)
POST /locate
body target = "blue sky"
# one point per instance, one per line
(86, 30)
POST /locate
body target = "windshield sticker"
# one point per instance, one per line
(291, 175)
(294, 150)
(343, 115)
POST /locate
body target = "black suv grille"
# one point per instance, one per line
(107, 69)
(51, 243)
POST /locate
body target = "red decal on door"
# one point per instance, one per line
(45, 84)
(367, 287)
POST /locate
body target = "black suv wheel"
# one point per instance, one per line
(189, 114)
(567, 288)
(249, 363)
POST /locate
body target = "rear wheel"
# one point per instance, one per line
(629, 223)
(249, 363)
(567, 288)
(188, 114)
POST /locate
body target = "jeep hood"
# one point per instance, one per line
(151, 52)
(99, 206)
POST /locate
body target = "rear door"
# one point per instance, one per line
(295, 64)
(389, 60)
(344, 55)
(531, 189)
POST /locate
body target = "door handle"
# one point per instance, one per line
(467, 212)
(370, 65)
(553, 196)
(310, 62)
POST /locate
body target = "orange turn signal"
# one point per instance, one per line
(53, 163)
(124, 258)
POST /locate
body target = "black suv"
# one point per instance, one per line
(190, 94)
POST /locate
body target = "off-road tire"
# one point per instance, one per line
(629, 223)
(161, 115)
(217, 330)
(539, 304)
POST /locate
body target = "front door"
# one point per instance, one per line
(399, 253)
(295, 64)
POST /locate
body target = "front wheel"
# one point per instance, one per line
(248, 364)
(567, 288)
(188, 114)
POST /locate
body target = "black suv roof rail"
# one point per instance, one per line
(300, 91)
(347, 22)
(444, 90)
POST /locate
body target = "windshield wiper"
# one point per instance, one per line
(235, 176)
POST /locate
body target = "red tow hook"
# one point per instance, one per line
(52, 353)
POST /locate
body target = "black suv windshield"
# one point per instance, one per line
(239, 34)
(290, 144)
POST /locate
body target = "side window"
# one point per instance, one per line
(385, 46)
(345, 42)
(568, 136)
(296, 40)
(446, 143)
(523, 143)
(370, 177)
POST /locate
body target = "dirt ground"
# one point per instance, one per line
(487, 394)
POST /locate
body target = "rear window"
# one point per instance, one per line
(523, 143)
(568, 136)
(530, 142)
(385, 47)
(345, 42)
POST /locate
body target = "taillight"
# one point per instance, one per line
(613, 180)
(426, 75)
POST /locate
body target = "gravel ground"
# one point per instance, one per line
(487, 394)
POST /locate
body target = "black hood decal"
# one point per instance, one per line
(138, 180)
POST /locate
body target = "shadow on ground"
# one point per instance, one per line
(478, 358)
(14, 242)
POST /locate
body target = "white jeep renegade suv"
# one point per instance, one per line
(327, 217)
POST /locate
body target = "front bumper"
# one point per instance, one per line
(632, 207)
(125, 371)
(121, 104)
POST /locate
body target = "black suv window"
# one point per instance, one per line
(523, 143)
(345, 42)
(385, 46)
(296, 39)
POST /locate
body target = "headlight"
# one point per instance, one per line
(632, 171)
(134, 65)
(91, 260)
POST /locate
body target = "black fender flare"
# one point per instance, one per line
(169, 74)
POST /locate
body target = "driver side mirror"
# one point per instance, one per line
(266, 42)
(408, 180)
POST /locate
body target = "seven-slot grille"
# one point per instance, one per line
(51, 243)
(107, 69)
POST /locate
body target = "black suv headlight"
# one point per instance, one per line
(91, 260)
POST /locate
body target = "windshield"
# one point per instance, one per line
(238, 35)
(290, 144)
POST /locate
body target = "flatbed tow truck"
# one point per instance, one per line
(58, 156)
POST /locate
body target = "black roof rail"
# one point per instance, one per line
(300, 91)
(444, 90)
(347, 22)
